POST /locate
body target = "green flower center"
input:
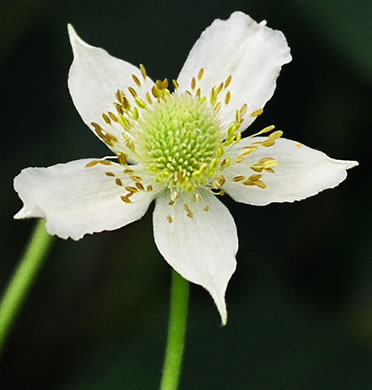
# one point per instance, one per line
(181, 142)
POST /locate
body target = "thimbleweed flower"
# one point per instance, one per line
(183, 148)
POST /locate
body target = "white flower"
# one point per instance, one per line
(182, 149)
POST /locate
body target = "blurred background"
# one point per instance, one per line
(300, 303)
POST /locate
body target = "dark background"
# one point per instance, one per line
(300, 303)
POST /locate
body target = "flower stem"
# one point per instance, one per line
(22, 279)
(176, 332)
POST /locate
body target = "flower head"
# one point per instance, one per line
(183, 148)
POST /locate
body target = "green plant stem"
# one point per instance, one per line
(22, 279)
(176, 332)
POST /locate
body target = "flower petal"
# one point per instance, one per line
(200, 246)
(301, 172)
(76, 199)
(93, 80)
(251, 53)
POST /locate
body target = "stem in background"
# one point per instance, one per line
(22, 279)
(176, 332)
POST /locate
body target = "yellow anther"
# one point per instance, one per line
(106, 119)
(238, 178)
(254, 177)
(136, 178)
(126, 103)
(266, 129)
(128, 171)
(131, 189)
(96, 126)
(238, 137)
(193, 83)
(132, 91)
(156, 92)
(250, 149)
(227, 97)
(164, 84)
(228, 81)
(257, 113)
(219, 89)
(201, 73)
(196, 197)
(118, 182)
(148, 98)
(198, 93)
(91, 164)
(136, 80)
(119, 96)
(206, 208)
(140, 186)
(237, 116)
(175, 84)
(213, 96)
(135, 113)
(113, 116)
(143, 71)
(140, 103)
(268, 162)
(260, 184)
(170, 219)
(111, 174)
(149, 188)
(125, 198)
(125, 122)
(217, 107)
(189, 213)
(275, 135)
(226, 163)
(243, 110)
(268, 143)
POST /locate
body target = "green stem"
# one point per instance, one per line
(176, 332)
(22, 279)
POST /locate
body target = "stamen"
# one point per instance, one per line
(257, 113)
(131, 189)
(140, 186)
(136, 178)
(113, 116)
(91, 164)
(143, 71)
(201, 73)
(111, 174)
(136, 80)
(132, 91)
(238, 178)
(106, 119)
(227, 97)
(170, 219)
(140, 103)
(118, 182)
(123, 158)
(193, 83)
(189, 213)
(228, 81)
(175, 84)
(126, 199)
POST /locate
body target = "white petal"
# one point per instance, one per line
(202, 248)
(251, 53)
(302, 172)
(93, 80)
(76, 200)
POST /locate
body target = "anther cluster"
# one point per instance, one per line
(180, 142)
